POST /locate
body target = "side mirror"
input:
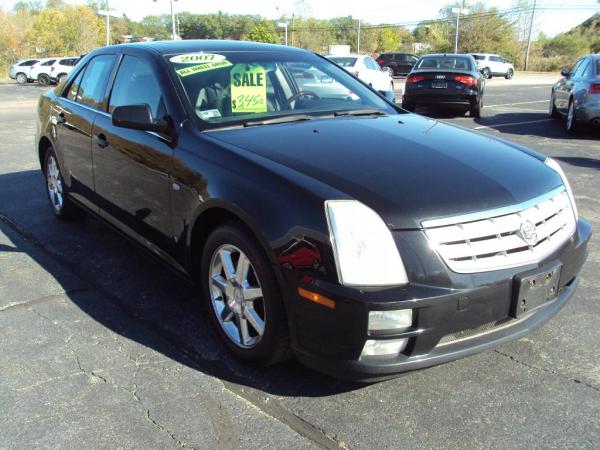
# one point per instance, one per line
(137, 117)
(565, 72)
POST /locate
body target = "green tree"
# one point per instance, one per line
(262, 33)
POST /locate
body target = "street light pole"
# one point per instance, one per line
(173, 30)
(173, 21)
(107, 25)
(457, 11)
(358, 38)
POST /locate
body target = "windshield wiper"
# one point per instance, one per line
(284, 119)
(360, 112)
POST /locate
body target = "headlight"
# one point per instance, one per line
(554, 166)
(364, 249)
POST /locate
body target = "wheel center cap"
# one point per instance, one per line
(235, 298)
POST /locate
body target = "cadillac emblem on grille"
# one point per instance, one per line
(528, 232)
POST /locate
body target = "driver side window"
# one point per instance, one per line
(136, 84)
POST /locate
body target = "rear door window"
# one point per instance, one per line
(71, 92)
(92, 90)
(48, 63)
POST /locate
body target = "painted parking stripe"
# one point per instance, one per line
(518, 103)
(513, 124)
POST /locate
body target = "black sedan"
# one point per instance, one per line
(363, 258)
(445, 80)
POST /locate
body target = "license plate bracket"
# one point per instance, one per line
(532, 291)
(439, 84)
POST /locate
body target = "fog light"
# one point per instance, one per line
(388, 347)
(390, 320)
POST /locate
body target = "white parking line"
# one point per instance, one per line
(512, 124)
(519, 103)
(517, 110)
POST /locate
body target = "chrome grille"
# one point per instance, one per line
(492, 240)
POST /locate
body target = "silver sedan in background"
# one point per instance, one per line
(577, 94)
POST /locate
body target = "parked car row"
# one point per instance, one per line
(43, 70)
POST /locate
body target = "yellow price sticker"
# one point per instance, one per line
(186, 71)
(248, 89)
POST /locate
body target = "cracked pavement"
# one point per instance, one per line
(103, 347)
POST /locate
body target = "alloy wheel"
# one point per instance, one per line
(571, 117)
(54, 183)
(236, 296)
(21, 78)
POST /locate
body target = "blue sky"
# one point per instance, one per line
(395, 11)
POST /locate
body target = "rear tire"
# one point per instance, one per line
(409, 106)
(487, 73)
(237, 303)
(509, 74)
(21, 78)
(571, 121)
(475, 110)
(62, 206)
(44, 79)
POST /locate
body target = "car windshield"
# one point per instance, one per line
(237, 88)
(343, 61)
(598, 67)
(444, 62)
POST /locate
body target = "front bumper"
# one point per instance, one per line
(461, 316)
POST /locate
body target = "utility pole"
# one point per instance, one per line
(529, 36)
(358, 38)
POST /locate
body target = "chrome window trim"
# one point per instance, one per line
(486, 214)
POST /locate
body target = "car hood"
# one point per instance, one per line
(406, 167)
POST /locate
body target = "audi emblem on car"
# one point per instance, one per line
(250, 169)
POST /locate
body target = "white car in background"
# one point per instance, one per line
(367, 69)
(41, 71)
(21, 70)
(490, 65)
(62, 67)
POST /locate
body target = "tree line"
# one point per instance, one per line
(53, 28)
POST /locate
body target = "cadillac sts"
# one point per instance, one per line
(321, 221)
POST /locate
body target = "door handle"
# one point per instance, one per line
(60, 118)
(101, 141)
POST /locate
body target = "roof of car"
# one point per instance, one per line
(196, 45)
(446, 54)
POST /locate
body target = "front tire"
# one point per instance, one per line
(509, 74)
(21, 78)
(571, 118)
(552, 111)
(243, 297)
(62, 206)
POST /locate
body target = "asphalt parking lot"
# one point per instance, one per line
(103, 347)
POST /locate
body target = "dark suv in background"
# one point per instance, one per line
(399, 63)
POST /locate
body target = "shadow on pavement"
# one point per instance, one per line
(588, 163)
(136, 296)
